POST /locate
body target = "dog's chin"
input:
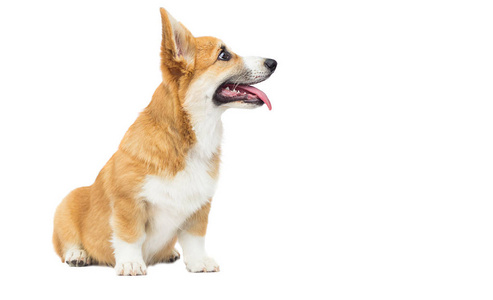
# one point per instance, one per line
(241, 104)
(239, 96)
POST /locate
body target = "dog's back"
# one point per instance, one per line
(158, 187)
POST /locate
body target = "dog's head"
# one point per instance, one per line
(207, 74)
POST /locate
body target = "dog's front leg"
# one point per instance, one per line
(128, 224)
(192, 241)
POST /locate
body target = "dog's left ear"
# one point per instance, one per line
(177, 47)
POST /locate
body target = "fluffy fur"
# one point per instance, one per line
(158, 186)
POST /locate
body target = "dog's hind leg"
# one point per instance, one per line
(66, 233)
(167, 255)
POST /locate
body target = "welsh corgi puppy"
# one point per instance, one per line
(158, 186)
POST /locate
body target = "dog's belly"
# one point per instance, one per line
(172, 200)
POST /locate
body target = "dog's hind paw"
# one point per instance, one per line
(77, 258)
(174, 256)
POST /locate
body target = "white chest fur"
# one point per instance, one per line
(172, 200)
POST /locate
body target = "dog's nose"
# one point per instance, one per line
(270, 64)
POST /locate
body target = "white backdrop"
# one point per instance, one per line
(371, 178)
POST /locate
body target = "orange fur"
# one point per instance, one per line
(167, 254)
(155, 144)
(113, 211)
(197, 223)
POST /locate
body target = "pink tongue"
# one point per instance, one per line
(261, 95)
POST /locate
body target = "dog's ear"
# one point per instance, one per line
(177, 47)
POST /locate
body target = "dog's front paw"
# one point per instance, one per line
(204, 264)
(134, 268)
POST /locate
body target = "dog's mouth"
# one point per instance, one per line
(229, 92)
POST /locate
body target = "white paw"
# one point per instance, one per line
(204, 264)
(134, 268)
(77, 258)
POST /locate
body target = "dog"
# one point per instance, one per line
(158, 186)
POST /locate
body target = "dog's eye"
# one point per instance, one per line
(224, 55)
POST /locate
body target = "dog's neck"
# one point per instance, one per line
(206, 123)
(167, 131)
(162, 135)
